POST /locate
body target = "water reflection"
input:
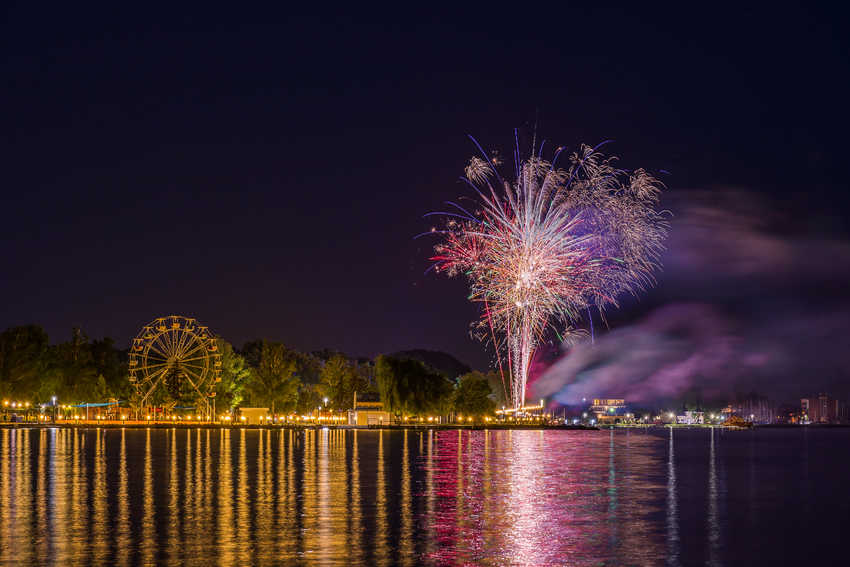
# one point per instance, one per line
(712, 518)
(172, 496)
(672, 507)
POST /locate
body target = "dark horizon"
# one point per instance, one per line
(266, 173)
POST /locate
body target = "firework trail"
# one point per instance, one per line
(547, 247)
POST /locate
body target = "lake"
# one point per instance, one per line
(370, 497)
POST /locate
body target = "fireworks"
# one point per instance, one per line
(544, 249)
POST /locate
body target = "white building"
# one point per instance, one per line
(691, 418)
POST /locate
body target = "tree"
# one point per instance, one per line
(274, 380)
(79, 378)
(473, 395)
(498, 387)
(111, 363)
(410, 387)
(309, 398)
(23, 360)
(235, 374)
(339, 379)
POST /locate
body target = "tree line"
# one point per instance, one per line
(260, 374)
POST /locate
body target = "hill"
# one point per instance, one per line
(439, 361)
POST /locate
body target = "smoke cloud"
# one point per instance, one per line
(753, 302)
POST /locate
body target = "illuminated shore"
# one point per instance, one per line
(82, 424)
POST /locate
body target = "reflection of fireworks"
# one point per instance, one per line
(541, 250)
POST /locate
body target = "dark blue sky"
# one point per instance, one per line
(265, 171)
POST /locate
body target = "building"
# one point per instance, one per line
(368, 410)
(609, 410)
(691, 417)
(253, 416)
(823, 409)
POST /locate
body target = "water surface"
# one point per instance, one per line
(235, 496)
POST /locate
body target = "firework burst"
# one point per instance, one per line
(542, 250)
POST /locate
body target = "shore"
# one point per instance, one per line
(446, 426)
(189, 425)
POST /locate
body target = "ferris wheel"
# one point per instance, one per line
(175, 358)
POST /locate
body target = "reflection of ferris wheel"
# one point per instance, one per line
(178, 355)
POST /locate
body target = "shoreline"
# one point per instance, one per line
(481, 427)
(146, 425)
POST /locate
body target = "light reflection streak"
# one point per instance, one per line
(381, 532)
(309, 529)
(6, 465)
(149, 547)
(99, 497)
(325, 515)
(713, 527)
(243, 542)
(264, 506)
(291, 510)
(79, 500)
(672, 508)
(226, 497)
(122, 532)
(525, 534)
(39, 502)
(406, 537)
(613, 525)
(355, 518)
(51, 501)
(20, 521)
(337, 488)
(173, 548)
(430, 503)
(60, 500)
(198, 523)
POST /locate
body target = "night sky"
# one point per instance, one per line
(266, 171)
